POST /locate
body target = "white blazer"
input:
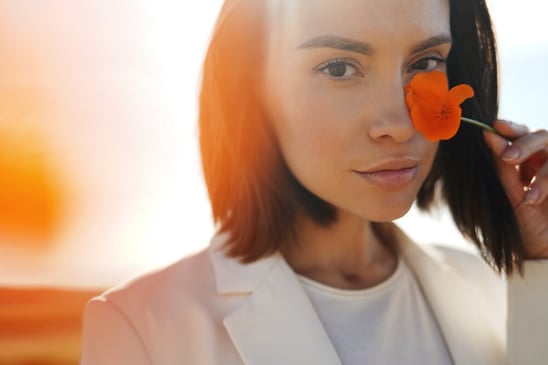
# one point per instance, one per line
(209, 309)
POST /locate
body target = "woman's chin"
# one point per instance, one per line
(388, 214)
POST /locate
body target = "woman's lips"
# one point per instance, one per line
(391, 174)
(390, 178)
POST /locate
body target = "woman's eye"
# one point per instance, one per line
(428, 64)
(339, 69)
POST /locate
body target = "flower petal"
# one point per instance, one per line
(429, 87)
(460, 93)
(430, 82)
(451, 126)
(433, 128)
(409, 97)
(423, 124)
(435, 110)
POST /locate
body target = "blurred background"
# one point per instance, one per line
(99, 168)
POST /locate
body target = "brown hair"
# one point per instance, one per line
(254, 196)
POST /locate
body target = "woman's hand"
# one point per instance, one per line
(522, 162)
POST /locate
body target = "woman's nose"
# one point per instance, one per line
(390, 118)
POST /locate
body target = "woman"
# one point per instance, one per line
(309, 152)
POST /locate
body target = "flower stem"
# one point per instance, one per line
(479, 124)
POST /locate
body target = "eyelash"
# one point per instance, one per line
(440, 61)
(336, 61)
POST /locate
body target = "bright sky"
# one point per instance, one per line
(120, 80)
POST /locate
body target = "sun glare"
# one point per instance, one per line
(110, 90)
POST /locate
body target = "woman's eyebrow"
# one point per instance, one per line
(347, 44)
(431, 42)
(332, 41)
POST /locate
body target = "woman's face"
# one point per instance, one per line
(335, 73)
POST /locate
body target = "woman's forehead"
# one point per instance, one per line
(299, 20)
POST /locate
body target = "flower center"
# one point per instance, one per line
(445, 112)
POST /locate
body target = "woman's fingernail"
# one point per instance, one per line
(511, 153)
(532, 195)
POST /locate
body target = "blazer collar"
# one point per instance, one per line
(459, 307)
(277, 308)
(276, 323)
(233, 277)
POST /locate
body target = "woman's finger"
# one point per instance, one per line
(538, 191)
(531, 167)
(522, 164)
(510, 130)
(525, 146)
(496, 143)
(508, 174)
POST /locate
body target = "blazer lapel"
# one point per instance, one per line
(276, 323)
(456, 304)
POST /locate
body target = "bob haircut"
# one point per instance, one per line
(254, 196)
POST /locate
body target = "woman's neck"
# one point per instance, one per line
(347, 255)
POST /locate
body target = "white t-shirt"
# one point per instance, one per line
(388, 324)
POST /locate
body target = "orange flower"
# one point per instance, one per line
(435, 110)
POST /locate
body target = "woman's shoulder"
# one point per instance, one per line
(467, 262)
(460, 257)
(181, 283)
(471, 267)
(157, 314)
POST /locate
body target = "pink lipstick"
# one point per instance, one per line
(391, 174)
